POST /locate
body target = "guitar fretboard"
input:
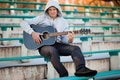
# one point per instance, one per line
(81, 31)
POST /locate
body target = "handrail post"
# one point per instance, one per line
(12, 11)
(86, 45)
(24, 53)
(115, 15)
(119, 60)
(5, 34)
(114, 60)
(87, 10)
(50, 70)
(106, 32)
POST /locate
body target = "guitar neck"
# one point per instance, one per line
(58, 33)
(63, 33)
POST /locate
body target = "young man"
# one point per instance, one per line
(53, 17)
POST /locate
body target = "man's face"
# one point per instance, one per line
(52, 12)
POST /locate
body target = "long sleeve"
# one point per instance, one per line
(26, 24)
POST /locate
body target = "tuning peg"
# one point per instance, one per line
(86, 31)
(81, 31)
(89, 30)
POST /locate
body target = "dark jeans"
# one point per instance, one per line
(61, 49)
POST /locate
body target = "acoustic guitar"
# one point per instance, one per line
(48, 36)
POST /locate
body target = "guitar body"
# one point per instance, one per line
(31, 44)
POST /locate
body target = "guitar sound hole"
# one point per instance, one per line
(45, 35)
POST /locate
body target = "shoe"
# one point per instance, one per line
(85, 72)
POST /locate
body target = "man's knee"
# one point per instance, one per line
(47, 51)
(76, 48)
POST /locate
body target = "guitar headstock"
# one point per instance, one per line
(82, 31)
(85, 31)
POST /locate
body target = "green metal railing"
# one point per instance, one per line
(66, 17)
(81, 37)
(12, 39)
(104, 75)
(66, 11)
(90, 18)
(101, 26)
(98, 36)
(19, 58)
(111, 52)
(4, 26)
(72, 5)
(85, 37)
